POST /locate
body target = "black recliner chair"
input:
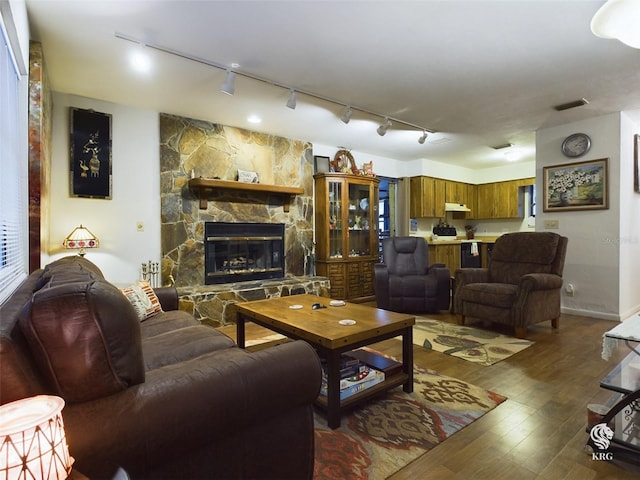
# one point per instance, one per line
(406, 283)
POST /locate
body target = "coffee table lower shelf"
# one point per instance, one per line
(389, 383)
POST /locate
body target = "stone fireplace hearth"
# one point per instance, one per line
(191, 149)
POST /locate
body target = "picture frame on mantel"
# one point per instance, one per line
(576, 186)
(321, 164)
(90, 144)
(636, 163)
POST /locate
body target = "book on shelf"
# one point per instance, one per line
(349, 366)
(350, 388)
(375, 360)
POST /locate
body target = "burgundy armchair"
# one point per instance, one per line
(521, 285)
(405, 282)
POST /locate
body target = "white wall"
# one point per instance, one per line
(629, 237)
(135, 192)
(387, 167)
(594, 264)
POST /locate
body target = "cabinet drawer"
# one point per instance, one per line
(335, 269)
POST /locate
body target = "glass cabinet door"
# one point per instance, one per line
(336, 247)
(361, 220)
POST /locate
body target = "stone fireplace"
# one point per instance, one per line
(192, 149)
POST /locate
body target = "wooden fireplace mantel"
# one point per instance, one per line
(203, 185)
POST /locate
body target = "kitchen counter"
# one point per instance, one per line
(457, 241)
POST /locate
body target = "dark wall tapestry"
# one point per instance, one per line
(90, 154)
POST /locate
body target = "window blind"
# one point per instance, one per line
(13, 175)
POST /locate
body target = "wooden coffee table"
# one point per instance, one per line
(321, 329)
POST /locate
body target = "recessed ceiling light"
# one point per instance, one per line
(140, 60)
(254, 119)
(512, 155)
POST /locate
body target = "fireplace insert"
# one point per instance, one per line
(238, 252)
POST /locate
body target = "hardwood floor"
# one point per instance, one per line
(539, 431)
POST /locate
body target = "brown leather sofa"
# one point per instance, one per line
(162, 398)
(405, 282)
(521, 285)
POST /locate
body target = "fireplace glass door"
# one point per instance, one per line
(236, 252)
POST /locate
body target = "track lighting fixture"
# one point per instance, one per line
(228, 86)
(291, 103)
(346, 118)
(384, 126)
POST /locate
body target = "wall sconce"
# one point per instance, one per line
(32, 440)
(81, 238)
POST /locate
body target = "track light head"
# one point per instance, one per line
(346, 118)
(384, 126)
(291, 103)
(228, 86)
(423, 137)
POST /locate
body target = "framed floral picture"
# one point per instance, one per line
(90, 166)
(576, 186)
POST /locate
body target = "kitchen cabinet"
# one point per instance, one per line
(472, 201)
(346, 219)
(501, 199)
(486, 201)
(447, 253)
(455, 192)
(427, 197)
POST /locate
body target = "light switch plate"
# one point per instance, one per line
(552, 224)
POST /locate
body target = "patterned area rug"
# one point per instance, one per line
(472, 344)
(380, 437)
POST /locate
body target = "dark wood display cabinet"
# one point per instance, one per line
(346, 218)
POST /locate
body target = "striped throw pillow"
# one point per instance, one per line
(143, 298)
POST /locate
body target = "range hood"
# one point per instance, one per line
(456, 207)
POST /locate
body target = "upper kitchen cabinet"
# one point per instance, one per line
(427, 197)
(455, 192)
(501, 199)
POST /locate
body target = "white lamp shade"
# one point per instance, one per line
(33, 442)
(618, 19)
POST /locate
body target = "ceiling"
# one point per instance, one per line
(479, 73)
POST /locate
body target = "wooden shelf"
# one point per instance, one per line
(389, 383)
(203, 185)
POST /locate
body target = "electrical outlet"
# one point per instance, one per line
(552, 224)
(569, 290)
(140, 226)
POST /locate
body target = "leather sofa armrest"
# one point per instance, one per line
(168, 297)
(381, 287)
(438, 265)
(183, 406)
